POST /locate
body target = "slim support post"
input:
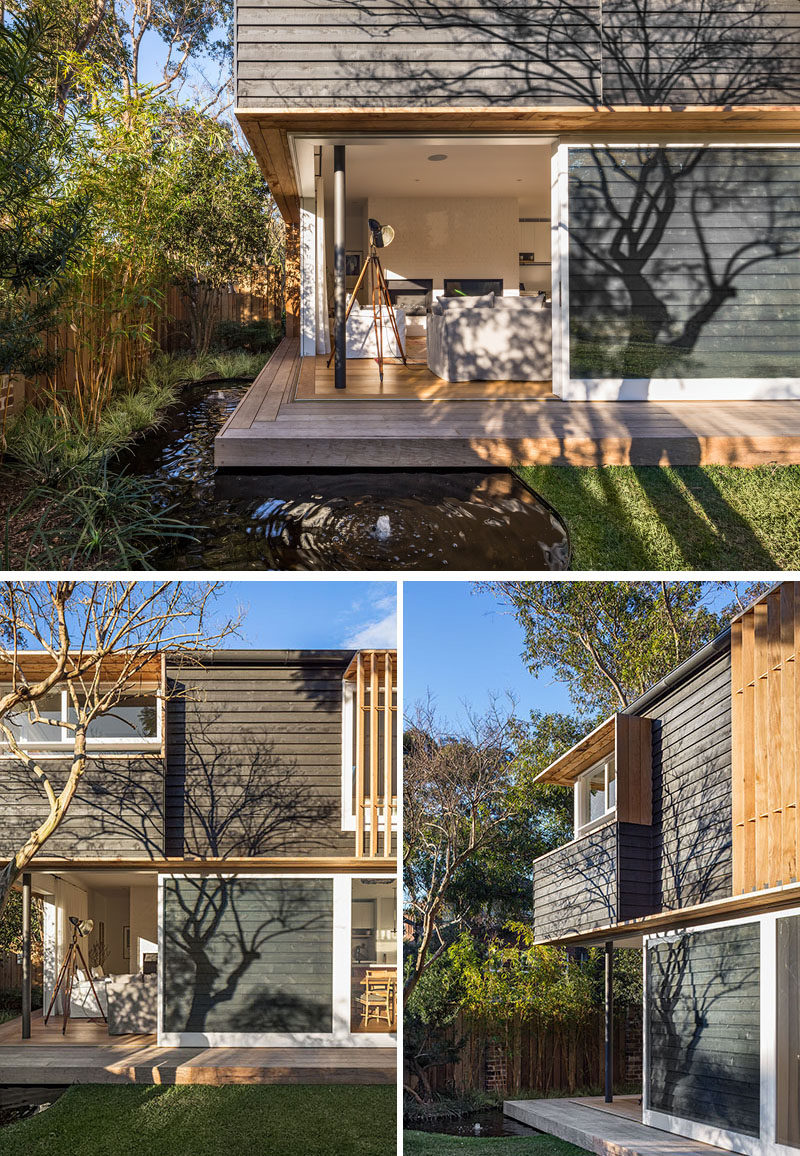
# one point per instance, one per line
(26, 956)
(339, 286)
(609, 1021)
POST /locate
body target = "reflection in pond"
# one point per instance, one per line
(337, 519)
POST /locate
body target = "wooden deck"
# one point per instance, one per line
(410, 382)
(272, 429)
(614, 1129)
(88, 1055)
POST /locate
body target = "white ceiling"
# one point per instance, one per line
(102, 881)
(400, 168)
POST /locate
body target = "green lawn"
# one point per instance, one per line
(430, 1144)
(235, 1120)
(679, 518)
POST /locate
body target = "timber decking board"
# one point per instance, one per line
(411, 382)
(384, 432)
(89, 1055)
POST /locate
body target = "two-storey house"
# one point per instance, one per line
(593, 200)
(686, 844)
(233, 843)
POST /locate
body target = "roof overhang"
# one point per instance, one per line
(597, 745)
(282, 865)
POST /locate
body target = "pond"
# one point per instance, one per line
(491, 1123)
(336, 519)
(18, 1101)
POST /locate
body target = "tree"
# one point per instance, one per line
(97, 638)
(43, 216)
(456, 795)
(222, 226)
(609, 642)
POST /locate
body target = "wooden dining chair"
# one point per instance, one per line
(378, 1000)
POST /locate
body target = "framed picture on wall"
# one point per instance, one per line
(126, 942)
(352, 263)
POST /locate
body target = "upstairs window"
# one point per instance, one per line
(595, 796)
(135, 722)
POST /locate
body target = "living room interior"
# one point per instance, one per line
(120, 951)
(468, 269)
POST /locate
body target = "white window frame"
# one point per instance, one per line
(640, 388)
(65, 742)
(579, 792)
(765, 1144)
(341, 1035)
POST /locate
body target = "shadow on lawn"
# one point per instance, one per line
(670, 502)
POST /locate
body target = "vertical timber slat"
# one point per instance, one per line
(359, 713)
(374, 753)
(387, 754)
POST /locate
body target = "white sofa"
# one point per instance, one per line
(361, 339)
(490, 339)
(82, 1004)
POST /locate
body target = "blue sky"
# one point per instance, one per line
(313, 614)
(463, 645)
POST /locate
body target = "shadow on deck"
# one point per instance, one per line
(271, 429)
(88, 1055)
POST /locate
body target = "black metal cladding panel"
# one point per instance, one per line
(692, 788)
(117, 811)
(495, 53)
(706, 283)
(248, 955)
(254, 760)
(704, 1027)
(575, 887)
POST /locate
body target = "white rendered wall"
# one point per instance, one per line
(143, 923)
(442, 237)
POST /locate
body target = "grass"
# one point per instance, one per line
(432, 1144)
(676, 518)
(195, 1120)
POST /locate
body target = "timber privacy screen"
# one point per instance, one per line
(248, 955)
(684, 263)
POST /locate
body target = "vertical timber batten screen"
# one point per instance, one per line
(684, 266)
(374, 673)
(766, 765)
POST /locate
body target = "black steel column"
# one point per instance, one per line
(339, 286)
(609, 1021)
(26, 956)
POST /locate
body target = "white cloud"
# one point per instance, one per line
(379, 628)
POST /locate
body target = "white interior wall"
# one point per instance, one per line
(442, 237)
(143, 923)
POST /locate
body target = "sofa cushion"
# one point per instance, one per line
(520, 304)
(466, 302)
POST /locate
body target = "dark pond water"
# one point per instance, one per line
(337, 519)
(492, 1123)
(17, 1102)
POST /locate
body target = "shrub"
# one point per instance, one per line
(254, 336)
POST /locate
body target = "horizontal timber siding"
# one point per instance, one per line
(703, 1034)
(117, 811)
(575, 887)
(248, 955)
(691, 728)
(706, 284)
(254, 759)
(417, 53)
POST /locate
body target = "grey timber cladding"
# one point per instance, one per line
(703, 1034)
(705, 283)
(575, 887)
(418, 53)
(691, 728)
(601, 878)
(248, 955)
(117, 812)
(254, 757)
